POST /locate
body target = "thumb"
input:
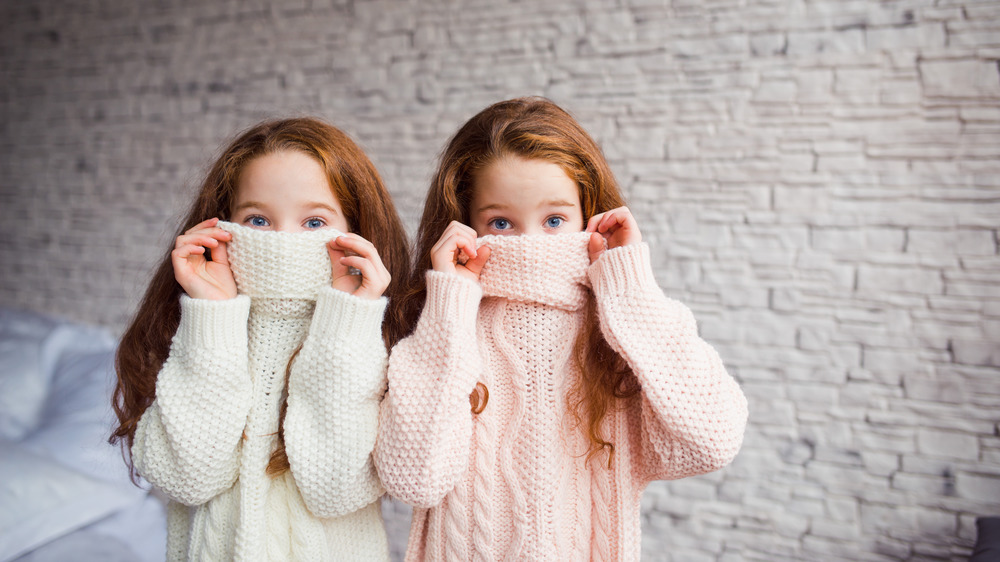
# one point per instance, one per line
(595, 247)
(476, 264)
(220, 253)
(336, 252)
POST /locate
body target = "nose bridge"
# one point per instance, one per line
(282, 224)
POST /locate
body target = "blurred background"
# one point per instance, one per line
(818, 180)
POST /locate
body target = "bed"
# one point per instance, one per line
(65, 493)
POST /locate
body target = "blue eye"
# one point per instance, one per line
(315, 223)
(258, 221)
(554, 222)
(500, 224)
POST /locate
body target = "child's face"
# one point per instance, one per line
(286, 191)
(514, 195)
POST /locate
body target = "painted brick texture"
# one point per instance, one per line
(818, 180)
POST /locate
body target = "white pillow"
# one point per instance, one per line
(44, 499)
(32, 349)
(24, 384)
(76, 419)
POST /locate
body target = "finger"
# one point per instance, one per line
(207, 223)
(335, 251)
(465, 229)
(476, 264)
(594, 222)
(623, 217)
(180, 261)
(338, 270)
(187, 250)
(356, 244)
(208, 238)
(456, 230)
(372, 274)
(596, 246)
(611, 220)
(359, 263)
(220, 253)
(369, 253)
(373, 279)
(196, 239)
(457, 246)
(467, 244)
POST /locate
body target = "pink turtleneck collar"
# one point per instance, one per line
(549, 269)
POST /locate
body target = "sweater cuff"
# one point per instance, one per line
(452, 298)
(622, 270)
(345, 316)
(213, 324)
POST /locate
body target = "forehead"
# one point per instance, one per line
(517, 181)
(283, 174)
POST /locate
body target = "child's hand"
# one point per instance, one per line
(352, 251)
(612, 229)
(456, 252)
(200, 278)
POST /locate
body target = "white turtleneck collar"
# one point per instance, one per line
(549, 269)
(279, 265)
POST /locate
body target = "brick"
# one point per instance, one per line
(888, 440)
(959, 78)
(922, 388)
(936, 522)
(906, 280)
(948, 444)
(895, 549)
(926, 36)
(880, 464)
(979, 114)
(978, 486)
(985, 353)
(814, 42)
(767, 44)
(922, 484)
(776, 91)
(961, 241)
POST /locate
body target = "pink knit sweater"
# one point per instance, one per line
(514, 482)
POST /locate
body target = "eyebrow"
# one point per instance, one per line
(310, 205)
(549, 203)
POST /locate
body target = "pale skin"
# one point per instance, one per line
(287, 191)
(515, 195)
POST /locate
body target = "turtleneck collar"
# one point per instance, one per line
(549, 269)
(279, 265)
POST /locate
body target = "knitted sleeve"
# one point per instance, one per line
(188, 441)
(692, 413)
(334, 389)
(425, 429)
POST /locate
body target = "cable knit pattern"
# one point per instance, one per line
(521, 463)
(207, 438)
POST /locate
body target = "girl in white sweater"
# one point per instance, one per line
(250, 379)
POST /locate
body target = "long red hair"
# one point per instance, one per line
(533, 128)
(367, 207)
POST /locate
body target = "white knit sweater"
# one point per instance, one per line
(207, 438)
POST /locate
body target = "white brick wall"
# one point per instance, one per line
(819, 180)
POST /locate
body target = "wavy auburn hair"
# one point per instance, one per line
(532, 128)
(367, 207)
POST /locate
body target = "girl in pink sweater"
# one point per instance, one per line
(547, 379)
